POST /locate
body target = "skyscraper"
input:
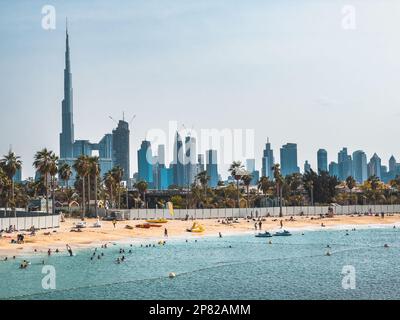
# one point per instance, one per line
(145, 165)
(113, 148)
(251, 168)
(334, 169)
(177, 166)
(250, 165)
(200, 163)
(345, 164)
(360, 173)
(322, 160)
(161, 181)
(120, 145)
(359, 166)
(288, 154)
(212, 167)
(392, 164)
(190, 160)
(267, 161)
(67, 132)
(307, 167)
(18, 176)
(374, 166)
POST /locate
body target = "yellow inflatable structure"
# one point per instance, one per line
(196, 227)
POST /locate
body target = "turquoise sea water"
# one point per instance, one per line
(232, 267)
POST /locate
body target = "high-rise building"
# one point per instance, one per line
(392, 164)
(18, 176)
(161, 155)
(120, 145)
(251, 168)
(374, 166)
(256, 177)
(190, 160)
(360, 173)
(250, 165)
(145, 165)
(177, 166)
(307, 167)
(345, 164)
(212, 167)
(200, 163)
(288, 154)
(322, 160)
(67, 132)
(334, 169)
(267, 161)
(161, 181)
(113, 149)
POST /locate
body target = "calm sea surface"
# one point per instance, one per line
(233, 267)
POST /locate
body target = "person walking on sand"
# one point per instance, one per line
(255, 225)
(114, 223)
(281, 222)
(260, 225)
(165, 232)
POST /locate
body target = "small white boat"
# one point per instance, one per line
(265, 234)
(284, 233)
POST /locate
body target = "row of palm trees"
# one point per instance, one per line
(47, 165)
(239, 174)
(292, 189)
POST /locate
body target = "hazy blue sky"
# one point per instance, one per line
(286, 69)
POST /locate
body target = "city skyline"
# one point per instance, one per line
(136, 69)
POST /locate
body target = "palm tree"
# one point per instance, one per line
(65, 173)
(4, 187)
(94, 171)
(81, 167)
(264, 184)
(10, 164)
(310, 185)
(142, 188)
(109, 183)
(350, 183)
(53, 171)
(117, 173)
(236, 169)
(247, 178)
(279, 180)
(43, 161)
(203, 178)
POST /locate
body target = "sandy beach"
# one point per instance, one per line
(92, 237)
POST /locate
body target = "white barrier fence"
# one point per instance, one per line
(255, 212)
(26, 222)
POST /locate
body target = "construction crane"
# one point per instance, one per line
(113, 119)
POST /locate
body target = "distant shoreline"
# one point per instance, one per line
(95, 237)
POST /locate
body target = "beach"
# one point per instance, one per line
(91, 237)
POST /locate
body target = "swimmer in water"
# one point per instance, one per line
(220, 234)
(69, 250)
